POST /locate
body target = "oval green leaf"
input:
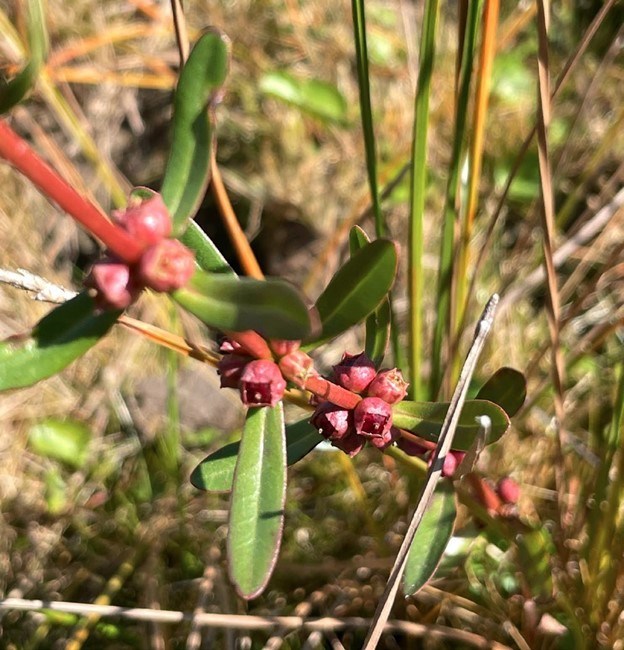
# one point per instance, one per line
(63, 440)
(425, 420)
(317, 98)
(357, 288)
(216, 472)
(207, 255)
(431, 538)
(258, 495)
(271, 307)
(188, 168)
(506, 387)
(62, 336)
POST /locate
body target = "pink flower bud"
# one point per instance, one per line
(411, 448)
(452, 461)
(281, 347)
(167, 266)
(508, 490)
(354, 372)
(148, 222)
(332, 422)
(261, 383)
(386, 440)
(372, 417)
(389, 385)
(114, 284)
(230, 368)
(297, 366)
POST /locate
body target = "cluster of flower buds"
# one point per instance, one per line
(259, 381)
(371, 419)
(165, 264)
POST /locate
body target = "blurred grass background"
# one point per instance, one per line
(118, 505)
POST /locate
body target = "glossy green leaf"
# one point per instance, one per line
(258, 495)
(207, 255)
(14, 90)
(431, 538)
(188, 167)
(216, 472)
(425, 420)
(65, 334)
(507, 388)
(357, 288)
(317, 98)
(271, 307)
(63, 440)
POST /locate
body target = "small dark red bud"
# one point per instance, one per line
(351, 444)
(332, 421)
(115, 286)
(230, 368)
(354, 372)
(386, 440)
(452, 461)
(282, 347)
(411, 448)
(372, 417)
(389, 385)
(261, 383)
(148, 222)
(167, 266)
(508, 490)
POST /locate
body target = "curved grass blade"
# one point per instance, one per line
(13, 91)
(431, 538)
(506, 387)
(258, 495)
(207, 255)
(188, 167)
(271, 307)
(425, 419)
(216, 472)
(357, 288)
(62, 336)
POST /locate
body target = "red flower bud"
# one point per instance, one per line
(332, 421)
(389, 385)
(282, 347)
(297, 366)
(148, 222)
(386, 440)
(354, 372)
(230, 368)
(351, 444)
(261, 383)
(167, 266)
(372, 417)
(508, 490)
(452, 461)
(114, 284)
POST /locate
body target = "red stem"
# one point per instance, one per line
(16, 151)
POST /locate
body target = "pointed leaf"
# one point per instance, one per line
(258, 495)
(207, 255)
(431, 538)
(357, 288)
(425, 420)
(188, 168)
(216, 472)
(507, 388)
(64, 440)
(271, 307)
(65, 334)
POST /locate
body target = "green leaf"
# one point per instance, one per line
(63, 440)
(271, 307)
(357, 288)
(188, 167)
(507, 388)
(13, 91)
(216, 472)
(65, 334)
(55, 493)
(425, 420)
(317, 98)
(258, 495)
(207, 255)
(431, 538)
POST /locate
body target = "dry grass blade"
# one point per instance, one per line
(181, 32)
(435, 471)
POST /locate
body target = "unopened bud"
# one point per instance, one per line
(297, 366)
(261, 383)
(355, 372)
(114, 284)
(332, 421)
(452, 460)
(167, 266)
(508, 490)
(386, 440)
(230, 369)
(389, 385)
(148, 222)
(372, 417)
(281, 347)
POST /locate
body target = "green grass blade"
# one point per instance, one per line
(417, 195)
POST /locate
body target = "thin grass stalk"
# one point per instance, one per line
(451, 207)
(482, 94)
(366, 111)
(417, 195)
